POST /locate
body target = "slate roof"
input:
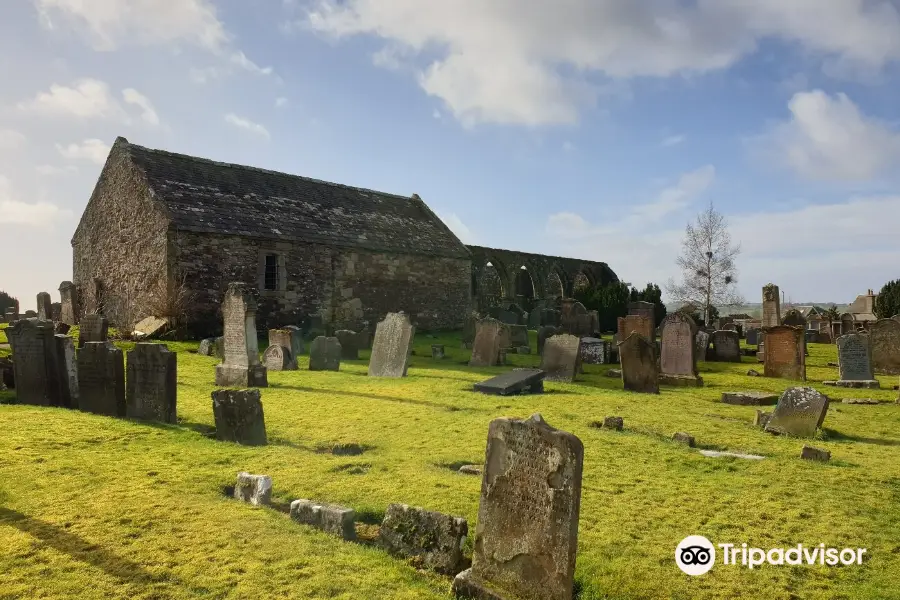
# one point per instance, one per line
(206, 196)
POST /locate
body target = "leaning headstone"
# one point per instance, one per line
(285, 338)
(561, 359)
(35, 362)
(69, 303)
(800, 412)
(490, 336)
(330, 518)
(518, 335)
(855, 361)
(678, 356)
(517, 381)
(93, 328)
(151, 383)
(44, 307)
(594, 351)
(726, 346)
(325, 354)
(784, 356)
(526, 536)
(255, 489)
(101, 379)
(67, 369)
(640, 371)
(241, 366)
(771, 314)
(884, 337)
(432, 539)
(277, 358)
(239, 417)
(392, 346)
(701, 341)
(349, 344)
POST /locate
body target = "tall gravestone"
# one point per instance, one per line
(151, 383)
(784, 355)
(771, 316)
(526, 536)
(101, 379)
(69, 310)
(241, 366)
(325, 354)
(855, 361)
(285, 338)
(67, 369)
(726, 345)
(491, 336)
(392, 346)
(93, 328)
(640, 371)
(239, 417)
(44, 307)
(701, 343)
(636, 323)
(678, 351)
(884, 337)
(800, 412)
(35, 362)
(561, 359)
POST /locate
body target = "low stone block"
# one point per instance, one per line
(680, 380)
(616, 423)
(239, 417)
(330, 518)
(431, 537)
(470, 470)
(517, 381)
(750, 398)
(255, 489)
(870, 384)
(810, 453)
(859, 401)
(684, 438)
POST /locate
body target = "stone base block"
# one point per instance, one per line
(467, 585)
(810, 453)
(255, 376)
(681, 380)
(871, 384)
(750, 398)
(330, 518)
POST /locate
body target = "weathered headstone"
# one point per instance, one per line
(285, 338)
(69, 303)
(784, 356)
(349, 344)
(151, 383)
(255, 489)
(277, 358)
(594, 351)
(67, 369)
(636, 323)
(241, 366)
(101, 379)
(678, 356)
(432, 538)
(93, 328)
(771, 316)
(325, 354)
(516, 381)
(330, 518)
(800, 412)
(392, 346)
(561, 359)
(526, 536)
(35, 362)
(701, 341)
(470, 324)
(239, 416)
(644, 309)
(884, 337)
(543, 333)
(518, 335)
(207, 347)
(44, 307)
(490, 336)
(726, 346)
(640, 371)
(752, 336)
(855, 360)
(296, 341)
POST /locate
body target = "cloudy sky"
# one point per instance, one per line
(586, 128)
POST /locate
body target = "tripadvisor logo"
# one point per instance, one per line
(696, 555)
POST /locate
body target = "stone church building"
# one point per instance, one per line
(164, 230)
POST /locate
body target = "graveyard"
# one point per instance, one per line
(99, 506)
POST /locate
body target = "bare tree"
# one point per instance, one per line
(709, 273)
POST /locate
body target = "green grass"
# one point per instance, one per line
(95, 507)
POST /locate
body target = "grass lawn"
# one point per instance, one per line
(97, 507)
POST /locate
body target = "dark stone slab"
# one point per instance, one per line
(92, 328)
(151, 383)
(750, 398)
(800, 412)
(101, 379)
(855, 358)
(810, 453)
(433, 539)
(516, 381)
(325, 354)
(239, 417)
(640, 370)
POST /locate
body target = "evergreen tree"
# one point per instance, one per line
(887, 304)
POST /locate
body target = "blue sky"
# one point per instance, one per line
(587, 128)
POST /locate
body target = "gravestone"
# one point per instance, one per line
(35, 362)
(490, 337)
(296, 346)
(330, 518)
(433, 539)
(636, 323)
(69, 310)
(151, 383)
(855, 360)
(67, 369)
(517, 381)
(254, 489)
(325, 354)
(241, 366)
(392, 346)
(678, 353)
(543, 333)
(726, 346)
(31, 314)
(794, 318)
(470, 324)
(277, 358)
(219, 347)
(56, 313)
(239, 416)
(884, 338)
(701, 341)
(640, 371)
(287, 339)
(93, 328)
(561, 359)
(349, 344)
(526, 536)
(749, 398)
(437, 351)
(848, 323)
(800, 412)
(207, 347)
(752, 336)
(518, 335)
(641, 308)
(784, 356)
(594, 351)
(101, 379)
(44, 307)
(771, 314)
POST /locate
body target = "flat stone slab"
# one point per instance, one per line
(859, 401)
(750, 398)
(330, 518)
(810, 453)
(871, 384)
(718, 454)
(516, 381)
(614, 373)
(680, 380)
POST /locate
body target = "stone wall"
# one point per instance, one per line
(345, 287)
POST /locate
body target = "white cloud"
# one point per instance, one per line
(53, 171)
(281, 102)
(829, 138)
(436, 114)
(240, 59)
(148, 114)
(92, 150)
(86, 98)
(672, 140)
(674, 198)
(11, 139)
(39, 214)
(246, 124)
(527, 62)
(460, 229)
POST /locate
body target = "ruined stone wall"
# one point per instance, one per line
(345, 287)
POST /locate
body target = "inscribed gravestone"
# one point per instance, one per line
(325, 354)
(101, 379)
(636, 323)
(784, 355)
(436, 540)
(594, 351)
(884, 337)
(490, 337)
(392, 346)
(678, 354)
(526, 536)
(285, 339)
(94, 328)
(518, 335)
(240, 366)
(69, 301)
(277, 358)
(771, 306)
(67, 371)
(44, 307)
(150, 383)
(799, 412)
(35, 363)
(239, 417)
(701, 341)
(640, 371)
(855, 358)
(752, 337)
(561, 360)
(726, 346)
(349, 344)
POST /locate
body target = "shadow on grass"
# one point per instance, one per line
(68, 543)
(201, 428)
(367, 396)
(831, 435)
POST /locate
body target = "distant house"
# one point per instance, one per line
(863, 309)
(815, 317)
